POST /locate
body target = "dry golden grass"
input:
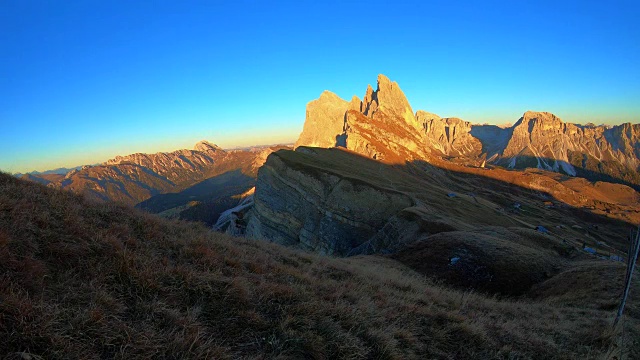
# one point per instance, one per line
(81, 279)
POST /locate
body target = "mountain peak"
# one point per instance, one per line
(204, 145)
(540, 120)
(324, 120)
(391, 100)
(543, 116)
(425, 115)
(329, 95)
(384, 81)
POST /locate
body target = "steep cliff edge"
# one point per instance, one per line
(449, 136)
(302, 200)
(325, 120)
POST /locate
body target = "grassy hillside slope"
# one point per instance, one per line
(83, 279)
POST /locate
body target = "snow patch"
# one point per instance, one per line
(567, 168)
(227, 216)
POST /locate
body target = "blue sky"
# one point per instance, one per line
(83, 81)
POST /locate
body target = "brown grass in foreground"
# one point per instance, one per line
(85, 280)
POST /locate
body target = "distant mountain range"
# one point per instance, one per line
(58, 171)
(193, 184)
(384, 120)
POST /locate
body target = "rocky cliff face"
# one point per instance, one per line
(315, 208)
(385, 128)
(325, 120)
(544, 141)
(382, 126)
(449, 136)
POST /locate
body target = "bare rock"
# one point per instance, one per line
(392, 102)
(316, 209)
(383, 126)
(206, 146)
(449, 136)
(324, 121)
(542, 140)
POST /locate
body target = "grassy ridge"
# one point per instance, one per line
(81, 279)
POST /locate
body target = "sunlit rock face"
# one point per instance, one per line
(325, 120)
(383, 126)
(173, 165)
(542, 140)
(449, 136)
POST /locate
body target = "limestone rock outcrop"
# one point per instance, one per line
(449, 136)
(315, 208)
(389, 100)
(544, 141)
(205, 146)
(383, 126)
(324, 120)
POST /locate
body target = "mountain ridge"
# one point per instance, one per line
(137, 177)
(385, 127)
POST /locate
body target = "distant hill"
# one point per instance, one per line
(42, 178)
(187, 184)
(58, 171)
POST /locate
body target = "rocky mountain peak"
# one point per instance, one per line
(543, 119)
(370, 102)
(422, 115)
(329, 96)
(389, 99)
(355, 103)
(384, 127)
(204, 145)
(324, 120)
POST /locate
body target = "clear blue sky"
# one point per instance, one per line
(83, 81)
